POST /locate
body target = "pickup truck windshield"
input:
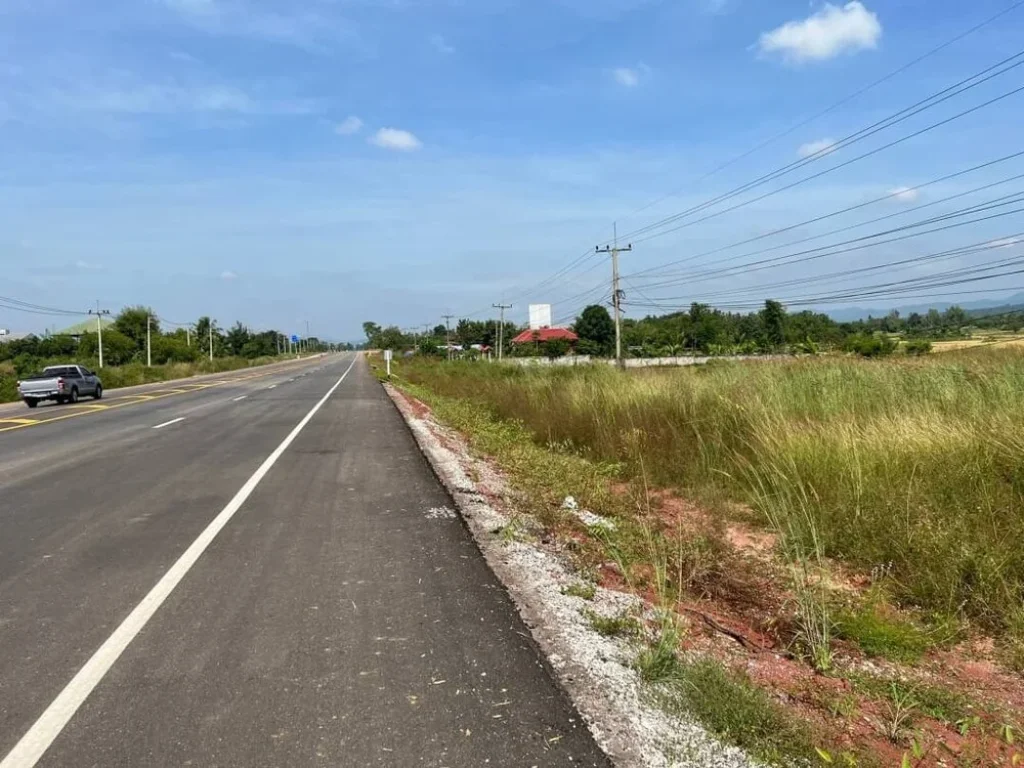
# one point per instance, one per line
(61, 370)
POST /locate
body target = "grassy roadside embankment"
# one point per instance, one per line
(906, 473)
(115, 377)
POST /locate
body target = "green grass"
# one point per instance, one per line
(882, 633)
(738, 712)
(620, 625)
(581, 589)
(914, 464)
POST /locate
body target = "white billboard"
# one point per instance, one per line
(540, 316)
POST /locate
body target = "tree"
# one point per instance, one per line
(440, 331)
(595, 325)
(236, 339)
(372, 331)
(132, 322)
(773, 324)
(556, 348)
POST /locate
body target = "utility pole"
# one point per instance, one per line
(448, 334)
(188, 336)
(149, 343)
(614, 250)
(211, 339)
(307, 335)
(99, 326)
(501, 328)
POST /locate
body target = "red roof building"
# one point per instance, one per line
(545, 334)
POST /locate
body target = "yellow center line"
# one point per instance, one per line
(126, 400)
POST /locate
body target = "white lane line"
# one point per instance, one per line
(239, 398)
(40, 736)
(168, 423)
(272, 386)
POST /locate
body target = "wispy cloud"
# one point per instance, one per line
(349, 126)
(237, 18)
(825, 34)
(87, 266)
(228, 275)
(626, 76)
(824, 146)
(396, 139)
(905, 194)
(1006, 242)
(441, 45)
(171, 98)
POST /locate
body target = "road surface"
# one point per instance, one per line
(262, 572)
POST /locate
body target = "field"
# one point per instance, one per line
(890, 492)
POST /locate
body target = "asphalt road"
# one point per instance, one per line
(273, 577)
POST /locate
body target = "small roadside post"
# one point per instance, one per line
(387, 361)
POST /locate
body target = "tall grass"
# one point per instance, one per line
(914, 467)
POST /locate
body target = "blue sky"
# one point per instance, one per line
(275, 161)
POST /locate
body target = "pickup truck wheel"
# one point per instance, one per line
(99, 392)
(74, 395)
(31, 403)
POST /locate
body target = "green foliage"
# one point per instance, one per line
(918, 347)
(882, 633)
(873, 345)
(555, 348)
(621, 625)
(582, 589)
(738, 712)
(596, 330)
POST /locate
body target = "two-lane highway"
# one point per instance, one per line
(258, 581)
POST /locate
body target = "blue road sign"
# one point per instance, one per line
(295, 339)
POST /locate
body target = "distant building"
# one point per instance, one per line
(541, 335)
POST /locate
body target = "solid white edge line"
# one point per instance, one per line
(168, 423)
(272, 386)
(44, 731)
(239, 398)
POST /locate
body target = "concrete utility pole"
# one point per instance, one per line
(448, 334)
(149, 343)
(501, 328)
(614, 250)
(307, 335)
(211, 339)
(188, 336)
(99, 326)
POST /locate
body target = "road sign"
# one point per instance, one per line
(4, 332)
(295, 339)
(387, 359)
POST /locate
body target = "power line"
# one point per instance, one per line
(845, 100)
(894, 119)
(839, 212)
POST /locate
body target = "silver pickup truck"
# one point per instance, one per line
(63, 383)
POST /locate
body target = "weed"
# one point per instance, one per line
(880, 632)
(581, 589)
(620, 625)
(738, 712)
(901, 707)
(658, 662)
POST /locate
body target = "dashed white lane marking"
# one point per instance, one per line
(168, 423)
(272, 386)
(239, 398)
(40, 736)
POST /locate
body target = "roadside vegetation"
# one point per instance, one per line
(837, 533)
(175, 354)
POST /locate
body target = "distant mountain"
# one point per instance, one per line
(982, 307)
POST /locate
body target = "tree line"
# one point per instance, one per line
(706, 330)
(124, 342)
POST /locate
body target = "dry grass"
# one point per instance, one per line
(911, 467)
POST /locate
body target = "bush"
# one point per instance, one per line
(870, 346)
(918, 347)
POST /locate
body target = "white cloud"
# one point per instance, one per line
(626, 76)
(349, 126)
(394, 138)
(825, 146)
(827, 33)
(227, 274)
(905, 194)
(88, 265)
(188, 58)
(441, 45)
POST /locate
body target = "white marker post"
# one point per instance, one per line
(387, 360)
